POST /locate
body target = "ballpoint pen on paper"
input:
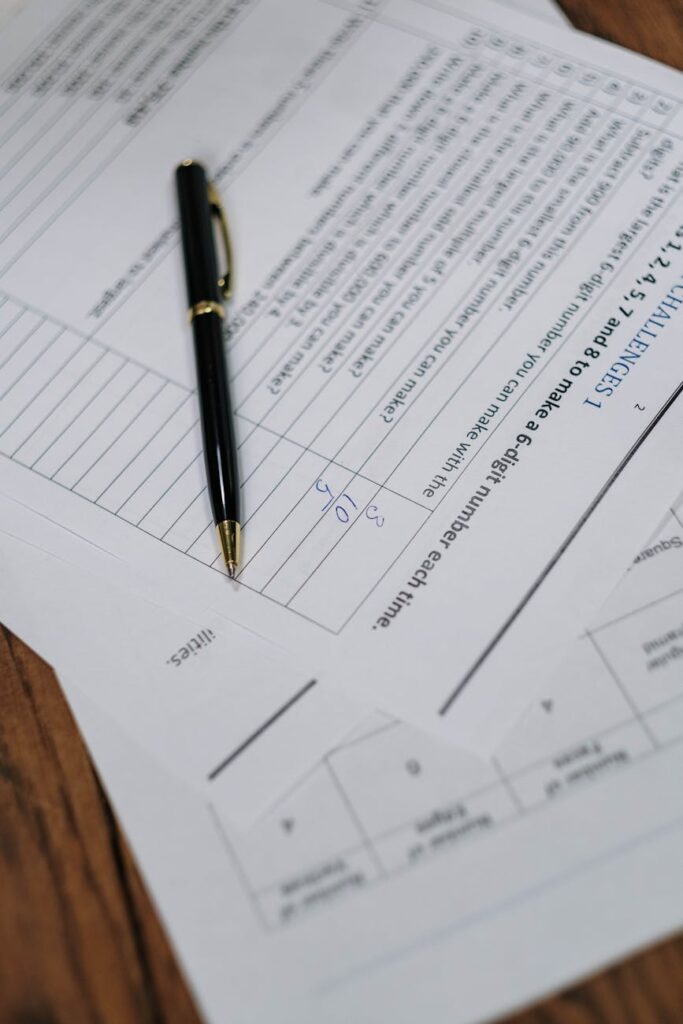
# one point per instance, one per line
(199, 205)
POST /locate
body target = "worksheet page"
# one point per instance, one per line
(222, 710)
(453, 348)
(402, 875)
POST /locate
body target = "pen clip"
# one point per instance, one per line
(225, 282)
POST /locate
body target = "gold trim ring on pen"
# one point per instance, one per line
(205, 306)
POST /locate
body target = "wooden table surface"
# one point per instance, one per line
(79, 939)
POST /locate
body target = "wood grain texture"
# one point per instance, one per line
(652, 27)
(79, 938)
(646, 989)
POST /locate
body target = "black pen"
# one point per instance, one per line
(199, 207)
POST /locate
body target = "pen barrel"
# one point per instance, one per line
(220, 449)
(196, 225)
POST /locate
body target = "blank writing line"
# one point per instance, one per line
(443, 710)
(261, 729)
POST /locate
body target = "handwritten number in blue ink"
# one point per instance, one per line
(342, 514)
(345, 504)
(323, 488)
(374, 515)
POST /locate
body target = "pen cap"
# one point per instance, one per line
(197, 227)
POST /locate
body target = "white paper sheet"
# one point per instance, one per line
(221, 709)
(404, 876)
(103, 636)
(546, 9)
(499, 882)
(436, 213)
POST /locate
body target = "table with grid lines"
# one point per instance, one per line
(391, 799)
(330, 460)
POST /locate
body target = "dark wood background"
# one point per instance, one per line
(79, 938)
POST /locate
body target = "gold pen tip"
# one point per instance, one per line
(229, 540)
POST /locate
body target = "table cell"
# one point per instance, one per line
(177, 446)
(56, 348)
(644, 650)
(666, 722)
(78, 446)
(585, 82)
(281, 516)
(97, 433)
(256, 447)
(71, 360)
(192, 524)
(205, 547)
(184, 490)
(318, 887)
(581, 700)
(332, 506)
(401, 774)
(173, 416)
(10, 312)
(49, 446)
(583, 762)
(337, 587)
(295, 844)
(445, 827)
(23, 347)
(156, 400)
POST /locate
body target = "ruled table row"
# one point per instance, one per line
(128, 440)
